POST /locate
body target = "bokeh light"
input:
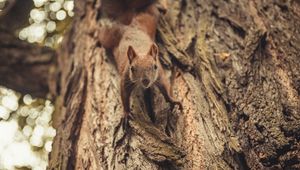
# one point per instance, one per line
(26, 134)
(2, 4)
(47, 21)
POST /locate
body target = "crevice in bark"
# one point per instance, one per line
(236, 159)
(148, 99)
(167, 165)
(77, 121)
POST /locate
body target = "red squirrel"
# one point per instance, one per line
(136, 55)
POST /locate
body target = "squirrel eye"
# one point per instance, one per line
(132, 69)
(155, 66)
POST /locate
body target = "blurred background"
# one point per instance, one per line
(26, 131)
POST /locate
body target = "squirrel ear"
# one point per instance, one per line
(153, 51)
(131, 53)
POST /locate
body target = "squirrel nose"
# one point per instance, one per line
(145, 82)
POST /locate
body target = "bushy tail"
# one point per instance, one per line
(110, 33)
(115, 7)
(119, 13)
(122, 10)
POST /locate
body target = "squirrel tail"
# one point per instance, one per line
(110, 34)
(121, 5)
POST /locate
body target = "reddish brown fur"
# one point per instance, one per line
(123, 11)
(136, 55)
(144, 67)
(147, 21)
(110, 36)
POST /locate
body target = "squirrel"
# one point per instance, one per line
(137, 55)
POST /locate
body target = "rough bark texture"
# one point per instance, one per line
(23, 67)
(239, 85)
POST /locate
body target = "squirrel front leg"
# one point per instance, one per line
(165, 87)
(126, 89)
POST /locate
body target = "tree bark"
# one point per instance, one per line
(239, 86)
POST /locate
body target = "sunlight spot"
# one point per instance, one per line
(39, 3)
(61, 15)
(23, 34)
(33, 114)
(2, 4)
(26, 134)
(55, 6)
(27, 131)
(30, 121)
(50, 132)
(71, 13)
(59, 39)
(51, 26)
(36, 141)
(23, 111)
(38, 15)
(69, 5)
(38, 131)
(10, 102)
(27, 99)
(4, 113)
(48, 146)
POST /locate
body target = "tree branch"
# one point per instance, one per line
(24, 67)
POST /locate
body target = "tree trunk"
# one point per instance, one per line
(239, 84)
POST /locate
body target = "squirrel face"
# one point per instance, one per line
(143, 70)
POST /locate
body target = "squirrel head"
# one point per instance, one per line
(143, 69)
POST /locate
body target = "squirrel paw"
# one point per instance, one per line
(125, 121)
(162, 6)
(123, 124)
(178, 103)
